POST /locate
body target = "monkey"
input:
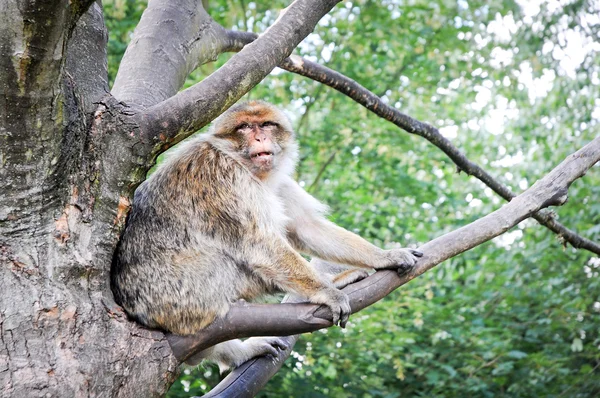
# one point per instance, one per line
(222, 220)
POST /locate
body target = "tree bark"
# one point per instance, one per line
(59, 334)
(170, 41)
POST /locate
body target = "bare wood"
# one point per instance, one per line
(283, 319)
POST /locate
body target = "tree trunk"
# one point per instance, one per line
(60, 333)
(71, 156)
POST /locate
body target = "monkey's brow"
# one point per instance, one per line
(243, 125)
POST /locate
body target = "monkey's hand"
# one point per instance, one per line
(337, 301)
(402, 260)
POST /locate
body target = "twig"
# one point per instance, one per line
(315, 182)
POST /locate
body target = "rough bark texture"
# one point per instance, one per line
(71, 155)
(175, 36)
(58, 334)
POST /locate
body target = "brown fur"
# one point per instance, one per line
(221, 220)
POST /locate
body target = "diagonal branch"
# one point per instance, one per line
(171, 40)
(372, 102)
(245, 319)
(179, 116)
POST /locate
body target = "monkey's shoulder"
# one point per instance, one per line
(200, 161)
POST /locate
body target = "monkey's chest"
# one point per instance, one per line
(272, 215)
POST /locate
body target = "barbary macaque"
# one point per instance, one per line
(222, 220)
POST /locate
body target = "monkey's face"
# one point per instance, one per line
(259, 134)
(262, 143)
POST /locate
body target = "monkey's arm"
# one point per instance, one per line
(276, 262)
(310, 232)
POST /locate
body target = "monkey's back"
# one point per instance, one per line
(180, 261)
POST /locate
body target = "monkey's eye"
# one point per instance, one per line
(266, 124)
(242, 126)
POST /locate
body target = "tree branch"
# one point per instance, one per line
(312, 187)
(244, 319)
(373, 103)
(171, 40)
(86, 65)
(179, 116)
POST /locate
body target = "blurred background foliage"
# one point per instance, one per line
(516, 86)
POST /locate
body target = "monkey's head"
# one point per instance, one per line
(260, 135)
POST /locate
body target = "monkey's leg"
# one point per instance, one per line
(233, 353)
(349, 277)
(338, 274)
(279, 264)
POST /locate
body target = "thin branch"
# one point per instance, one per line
(302, 122)
(236, 40)
(172, 38)
(309, 105)
(315, 182)
(244, 16)
(179, 116)
(373, 103)
(244, 319)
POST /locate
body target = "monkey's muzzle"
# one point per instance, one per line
(262, 159)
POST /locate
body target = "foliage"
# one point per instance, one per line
(518, 316)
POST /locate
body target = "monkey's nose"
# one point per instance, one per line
(260, 137)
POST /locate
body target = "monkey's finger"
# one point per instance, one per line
(344, 319)
(271, 350)
(416, 253)
(335, 312)
(345, 312)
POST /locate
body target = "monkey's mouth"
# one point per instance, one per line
(262, 159)
(262, 154)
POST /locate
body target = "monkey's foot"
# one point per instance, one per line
(261, 346)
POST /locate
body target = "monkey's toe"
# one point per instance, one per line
(405, 269)
(264, 346)
(278, 343)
